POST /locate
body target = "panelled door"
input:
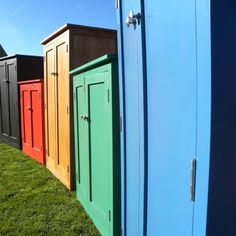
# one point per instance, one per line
(31, 120)
(9, 102)
(5, 122)
(132, 86)
(159, 183)
(93, 145)
(171, 89)
(62, 106)
(26, 124)
(50, 112)
(57, 108)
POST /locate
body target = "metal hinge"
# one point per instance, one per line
(193, 179)
(109, 213)
(67, 47)
(68, 168)
(117, 4)
(120, 124)
(108, 95)
(67, 110)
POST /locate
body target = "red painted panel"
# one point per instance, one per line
(32, 119)
(26, 140)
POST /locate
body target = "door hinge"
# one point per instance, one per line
(120, 124)
(108, 95)
(44, 59)
(193, 179)
(117, 4)
(109, 213)
(68, 168)
(67, 110)
(67, 47)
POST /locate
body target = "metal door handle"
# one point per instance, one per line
(83, 117)
(54, 73)
(7, 81)
(133, 19)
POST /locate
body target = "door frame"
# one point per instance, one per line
(120, 40)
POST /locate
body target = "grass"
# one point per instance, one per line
(34, 202)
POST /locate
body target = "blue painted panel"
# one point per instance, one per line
(172, 99)
(203, 115)
(131, 84)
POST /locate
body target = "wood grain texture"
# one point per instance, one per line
(70, 47)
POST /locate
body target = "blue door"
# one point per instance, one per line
(132, 99)
(171, 105)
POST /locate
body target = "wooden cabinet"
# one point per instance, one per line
(13, 69)
(67, 48)
(32, 119)
(97, 146)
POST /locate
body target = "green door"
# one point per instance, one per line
(94, 145)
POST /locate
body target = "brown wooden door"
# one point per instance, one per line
(62, 85)
(50, 112)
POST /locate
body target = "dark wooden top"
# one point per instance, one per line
(17, 56)
(72, 26)
(31, 81)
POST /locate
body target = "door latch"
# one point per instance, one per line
(133, 19)
(193, 179)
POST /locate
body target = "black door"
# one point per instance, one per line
(10, 130)
(5, 124)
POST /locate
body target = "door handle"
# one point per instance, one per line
(133, 19)
(83, 117)
(28, 108)
(7, 81)
(54, 73)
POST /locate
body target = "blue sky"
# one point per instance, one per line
(25, 23)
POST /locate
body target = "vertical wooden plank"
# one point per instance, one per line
(62, 90)
(50, 112)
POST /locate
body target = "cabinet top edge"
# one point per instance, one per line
(95, 63)
(30, 81)
(19, 56)
(72, 26)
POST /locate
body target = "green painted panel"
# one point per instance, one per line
(97, 144)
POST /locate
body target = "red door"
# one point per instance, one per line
(32, 120)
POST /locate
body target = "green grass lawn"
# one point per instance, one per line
(34, 202)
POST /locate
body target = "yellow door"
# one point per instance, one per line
(63, 125)
(50, 112)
